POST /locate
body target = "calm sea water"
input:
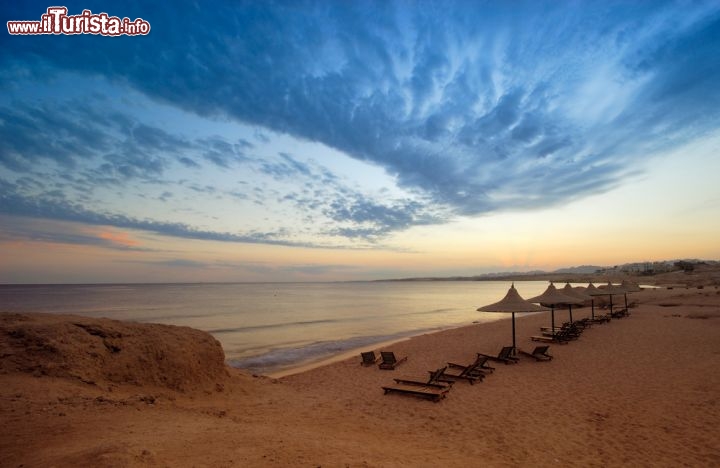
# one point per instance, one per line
(270, 327)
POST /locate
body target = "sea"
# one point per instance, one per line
(273, 328)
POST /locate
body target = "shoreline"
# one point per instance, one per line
(305, 366)
(345, 355)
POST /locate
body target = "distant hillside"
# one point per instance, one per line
(665, 272)
(580, 270)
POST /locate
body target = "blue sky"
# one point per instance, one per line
(358, 140)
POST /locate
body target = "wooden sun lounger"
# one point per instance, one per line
(566, 328)
(539, 353)
(563, 333)
(560, 334)
(504, 356)
(434, 392)
(550, 339)
(434, 389)
(472, 373)
(368, 358)
(583, 323)
(389, 361)
(436, 377)
(456, 372)
(600, 319)
(480, 365)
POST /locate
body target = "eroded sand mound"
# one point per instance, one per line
(104, 352)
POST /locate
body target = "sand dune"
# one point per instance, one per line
(638, 391)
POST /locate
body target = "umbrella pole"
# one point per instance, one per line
(552, 315)
(625, 301)
(592, 308)
(513, 329)
(570, 308)
(610, 305)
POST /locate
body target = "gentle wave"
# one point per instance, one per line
(421, 312)
(269, 326)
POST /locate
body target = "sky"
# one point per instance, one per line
(358, 140)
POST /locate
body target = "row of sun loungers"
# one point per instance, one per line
(440, 381)
(563, 334)
(571, 331)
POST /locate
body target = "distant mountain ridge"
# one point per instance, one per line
(638, 268)
(580, 270)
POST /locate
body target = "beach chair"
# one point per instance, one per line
(600, 319)
(504, 356)
(389, 361)
(572, 329)
(434, 389)
(583, 323)
(437, 377)
(540, 353)
(481, 365)
(455, 372)
(368, 358)
(434, 392)
(575, 328)
(550, 338)
(566, 333)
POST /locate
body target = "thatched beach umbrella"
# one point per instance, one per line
(610, 290)
(629, 288)
(552, 297)
(577, 294)
(512, 303)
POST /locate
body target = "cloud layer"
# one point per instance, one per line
(469, 107)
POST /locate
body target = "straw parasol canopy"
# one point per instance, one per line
(512, 303)
(552, 297)
(577, 294)
(614, 289)
(591, 290)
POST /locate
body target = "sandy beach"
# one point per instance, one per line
(638, 391)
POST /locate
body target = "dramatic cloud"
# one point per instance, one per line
(471, 107)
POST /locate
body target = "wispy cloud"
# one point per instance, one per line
(24, 229)
(308, 270)
(14, 204)
(367, 222)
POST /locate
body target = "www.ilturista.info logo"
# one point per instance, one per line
(57, 21)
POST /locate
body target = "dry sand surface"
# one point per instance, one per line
(638, 391)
